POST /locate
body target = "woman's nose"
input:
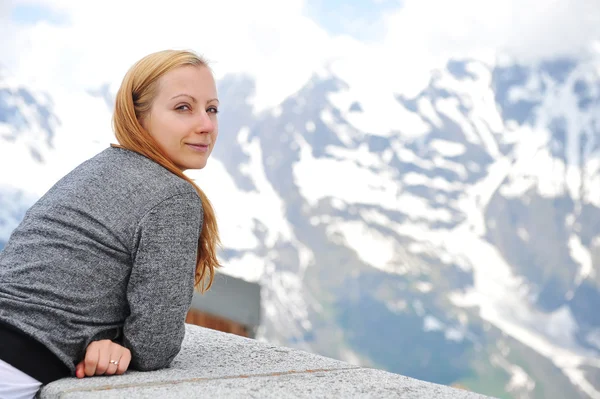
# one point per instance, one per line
(205, 123)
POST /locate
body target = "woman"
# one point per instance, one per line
(100, 273)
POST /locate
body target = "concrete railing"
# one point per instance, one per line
(213, 364)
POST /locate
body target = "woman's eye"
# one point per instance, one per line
(213, 110)
(183, 107)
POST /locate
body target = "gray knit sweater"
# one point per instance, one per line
(109, 252)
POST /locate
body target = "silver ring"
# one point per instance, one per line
(115, 362)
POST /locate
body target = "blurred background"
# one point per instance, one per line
(414, 184)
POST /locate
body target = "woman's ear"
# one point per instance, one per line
(143, 120)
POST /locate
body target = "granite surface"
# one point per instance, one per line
(219, 365)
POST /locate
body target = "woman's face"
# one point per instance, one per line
(183, 116)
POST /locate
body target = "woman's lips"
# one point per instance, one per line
(198, 147)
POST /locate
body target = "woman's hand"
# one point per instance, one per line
(103, 358)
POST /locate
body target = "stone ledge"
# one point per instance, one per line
(219, 365)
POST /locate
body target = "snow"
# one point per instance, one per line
(344, 131)
(591, 171)
(498, 294)
(561, 103)
(531, 91)
(519, 381)
(430, 323)
(593, 338)
(581, 255)
(363, 157)
(242, 136)
(375, 188)
(306, 257)
(424, 286)
(479, 99)
(376, 217)
(439, 183)
(418, 208)
(452, 334)
(449, 108)
(522, 233)
(371, 246)
(398, 306)
(531, 163)
(517, 187)
(338, 204)
(425, 108)
(497, 291)
(410, 124)
(348, 356)
(482, 192)
(382, 114)
(249, 267)
(286, 305)
(551, 174)
(83, 131)
(231, 204)
(455, 167)
(447, 148)
(236, 228)
(408, 156)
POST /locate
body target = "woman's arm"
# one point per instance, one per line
(161, 283)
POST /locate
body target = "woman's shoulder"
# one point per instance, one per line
(124, 168)
(121, 176)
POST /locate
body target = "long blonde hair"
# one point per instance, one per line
(133, 102)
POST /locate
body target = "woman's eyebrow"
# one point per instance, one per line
(193, 98)
(184, 95)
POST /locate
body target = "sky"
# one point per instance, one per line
(75, 44)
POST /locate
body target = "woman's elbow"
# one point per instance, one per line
(151, 360)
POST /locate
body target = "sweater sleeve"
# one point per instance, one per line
(161, 283)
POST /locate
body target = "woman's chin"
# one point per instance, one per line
(193, 165)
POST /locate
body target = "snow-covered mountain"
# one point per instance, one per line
(448, 236)
(27, 128)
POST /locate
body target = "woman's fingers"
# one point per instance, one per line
(104, 355)
(124, 361)
(114, 362)
(118, 359)
(104, 358)
(92, 355)
(80, 370)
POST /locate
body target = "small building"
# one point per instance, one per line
(232, 305)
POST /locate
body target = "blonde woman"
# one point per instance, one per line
(99, 275)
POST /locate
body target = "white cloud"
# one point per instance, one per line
(526, 29)
(267, 38)
(423, 34)
(5, 7)
(277, 43)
